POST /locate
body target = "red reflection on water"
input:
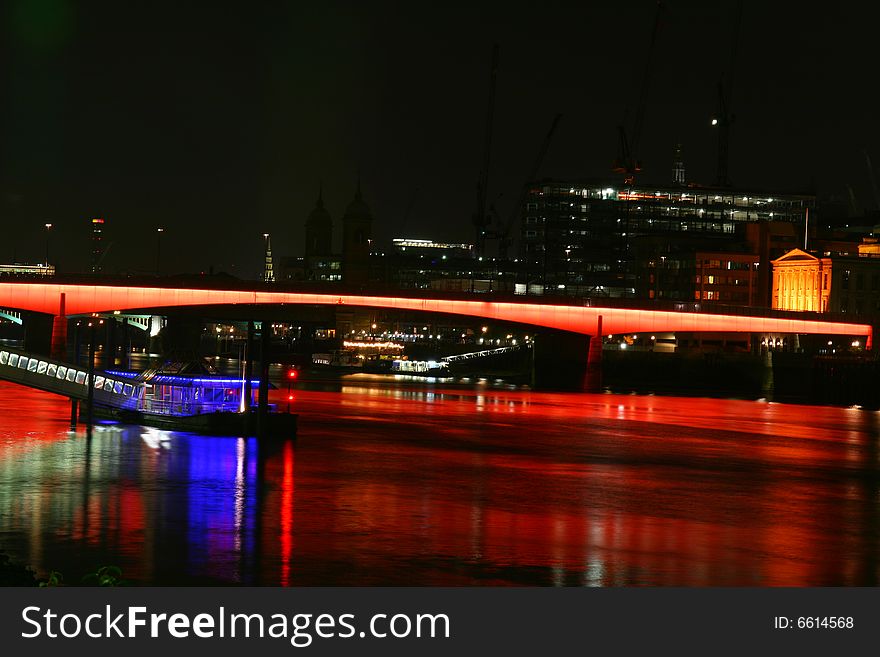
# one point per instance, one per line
(432, 485)
(286, 519)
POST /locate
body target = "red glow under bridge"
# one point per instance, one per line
(84, 299)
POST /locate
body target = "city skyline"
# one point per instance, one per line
(224, 124)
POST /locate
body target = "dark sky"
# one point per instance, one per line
(219, 121)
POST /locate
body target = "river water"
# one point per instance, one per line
(412, 483)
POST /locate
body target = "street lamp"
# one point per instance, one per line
(159, 232)
(48, 229)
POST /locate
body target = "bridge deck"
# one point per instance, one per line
(101, 298)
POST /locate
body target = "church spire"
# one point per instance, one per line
(269, 272)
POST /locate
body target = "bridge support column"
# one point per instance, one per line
(559, 360)
(90, 380)
(593, 378)
(263, 401)
(248, 367)
(58, 349)
(73, 414)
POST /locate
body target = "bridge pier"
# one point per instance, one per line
(593, 378)
(263, 393)
(58, 348)
(90, 380)
(560, 360)
(248, 367)
(74, 404)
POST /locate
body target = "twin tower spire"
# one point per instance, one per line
(352, 265)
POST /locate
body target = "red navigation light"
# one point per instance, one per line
(291, 374)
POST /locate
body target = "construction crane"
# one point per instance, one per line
(725, 117)
(503, 234)
(851, 197)
(481, 218)
(627, 161)
(873, 178)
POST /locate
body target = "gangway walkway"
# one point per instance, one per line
(66, 379)
(479, 354)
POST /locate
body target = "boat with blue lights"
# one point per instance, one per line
(198, 402)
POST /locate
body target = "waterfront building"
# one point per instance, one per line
(801, 281)
(829, 282)
(582, 238)
(18, 269)
(693, 274)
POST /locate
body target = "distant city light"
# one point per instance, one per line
(371, 345)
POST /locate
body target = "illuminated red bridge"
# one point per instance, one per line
(85, 299)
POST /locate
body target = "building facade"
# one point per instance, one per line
(802, 281)
(848, 283)
(98, 247)
(588, 238)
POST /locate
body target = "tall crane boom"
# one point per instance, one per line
(873, 178)
(725, 116)
(505, 237)
(481, 218)
(627, 162)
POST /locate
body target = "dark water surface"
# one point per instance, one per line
(400, 483)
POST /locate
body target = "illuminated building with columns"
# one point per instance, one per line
(841, 283)
(801, 281)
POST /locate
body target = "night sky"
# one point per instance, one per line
(219, 122)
